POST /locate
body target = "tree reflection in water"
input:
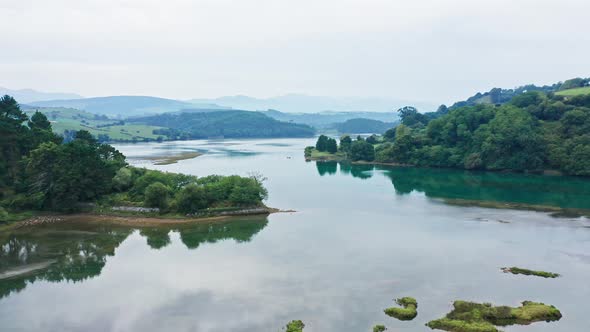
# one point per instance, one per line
(76, 252)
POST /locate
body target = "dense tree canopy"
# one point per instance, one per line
(534, 131)
(223, 124)
(40, 172)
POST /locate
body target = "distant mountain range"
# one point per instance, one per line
(330, 107)
(25, 96)
(298, 103)
(124, 106)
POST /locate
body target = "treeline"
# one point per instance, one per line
(229, 124)
(187, 194)
(502, 96)
(361, 125)
(39, 171)
(535, 131)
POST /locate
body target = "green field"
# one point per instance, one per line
(72, 119)
(574, 92)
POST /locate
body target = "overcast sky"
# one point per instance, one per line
(429, 50)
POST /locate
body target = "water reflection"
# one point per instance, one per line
(556, 191)
(57, 253)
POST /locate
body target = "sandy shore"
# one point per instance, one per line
(134, 220)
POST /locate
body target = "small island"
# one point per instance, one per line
(295, 326)
(478, 317)
(527, 272)
(408, 310)
(43, 173)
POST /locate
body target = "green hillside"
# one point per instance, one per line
(229, 124)
(574, 92)
(124, 106)
(69, 119)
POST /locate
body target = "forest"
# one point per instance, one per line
(230, 124)
(534, 132)
(41, 172)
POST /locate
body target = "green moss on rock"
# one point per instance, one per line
(518, 270)
(295, 326)
(379, 328)
(407, 312)
(478, 317)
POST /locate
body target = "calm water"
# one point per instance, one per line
(362, 236)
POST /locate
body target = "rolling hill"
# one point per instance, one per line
(123, 106)
(29, 95)
(574, 92)
(64, 120)
(227, 124)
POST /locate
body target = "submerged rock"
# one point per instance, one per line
(518, 270)
(408, 311)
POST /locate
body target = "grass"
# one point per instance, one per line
(313, 154)
(574, 92)
(9, 216)
(478, 317)
(72, 119)
(407, 312)
(527, 272)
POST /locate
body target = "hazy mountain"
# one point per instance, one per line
(228, 123)
(24, 96)
(324, 120)
(124, 106)
(295, 103)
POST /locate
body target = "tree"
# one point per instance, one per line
(156, 195)
(123, 179)
(345, 143)
(389, 135)
(322, 143)
(61, 172)
(361, 150)
(331, 145)
(39, 121)
(372, 139)
(192, 198)
(410, 117)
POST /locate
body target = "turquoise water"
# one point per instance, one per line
(361, 236)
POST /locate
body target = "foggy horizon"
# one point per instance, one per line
(424, 51)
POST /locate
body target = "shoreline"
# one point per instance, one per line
(133, 219)
(547, 172)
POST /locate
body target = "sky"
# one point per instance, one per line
(426, 50)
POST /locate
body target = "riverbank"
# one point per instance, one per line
(138, 218)
(338, 157)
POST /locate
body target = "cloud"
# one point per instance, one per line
(427, 50)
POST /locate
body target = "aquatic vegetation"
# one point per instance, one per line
(478, 317)
(527, 272)
(379, 328)
(295, 326)
(408, 310)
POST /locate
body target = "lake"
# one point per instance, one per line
(361, 237)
